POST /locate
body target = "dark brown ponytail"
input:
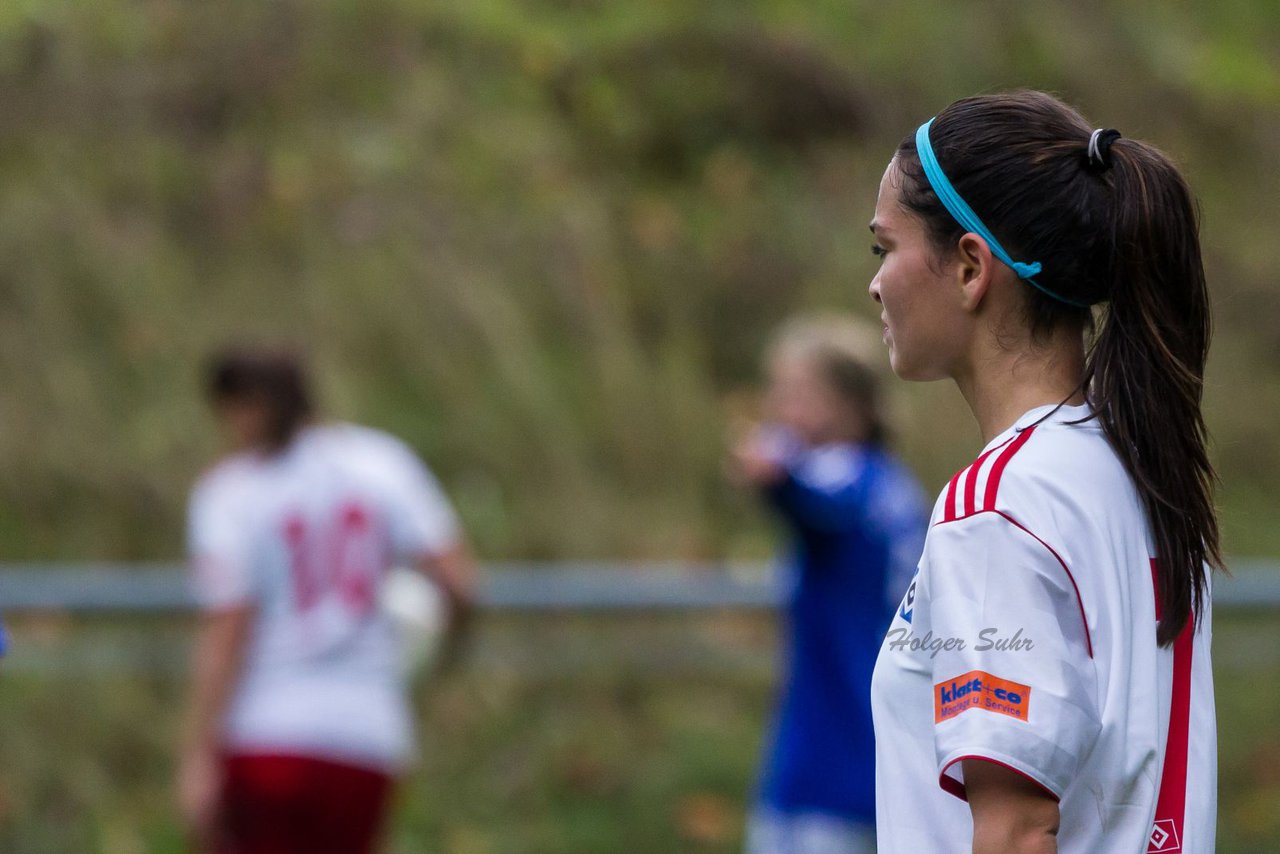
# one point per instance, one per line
(1152, 347)
(1119, 229)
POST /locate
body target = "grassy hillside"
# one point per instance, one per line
(564, 736)
(543, 240)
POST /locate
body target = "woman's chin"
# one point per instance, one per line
(905, 369)
(897, 364)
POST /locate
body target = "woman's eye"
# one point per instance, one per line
(878, 250)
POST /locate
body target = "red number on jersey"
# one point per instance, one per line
(344, 557)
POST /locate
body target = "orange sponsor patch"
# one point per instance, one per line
(978, 689)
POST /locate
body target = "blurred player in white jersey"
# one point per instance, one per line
(299, 717)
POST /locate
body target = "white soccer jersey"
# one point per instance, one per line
(1028, 638)
(306, 536)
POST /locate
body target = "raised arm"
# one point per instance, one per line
(828, 494)
(827, 505)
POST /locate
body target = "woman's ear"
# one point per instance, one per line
(974, 271)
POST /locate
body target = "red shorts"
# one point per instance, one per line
(287, 804)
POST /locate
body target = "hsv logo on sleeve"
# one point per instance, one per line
(908, 602)
(978, 689)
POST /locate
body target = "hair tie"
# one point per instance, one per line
(1099, 153)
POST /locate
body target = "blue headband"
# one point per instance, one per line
(963, 214)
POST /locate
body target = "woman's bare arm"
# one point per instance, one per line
(1011, 813)
(454, 570)
(216, 663)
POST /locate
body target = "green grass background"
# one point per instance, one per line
(544, 241)
(563, 734)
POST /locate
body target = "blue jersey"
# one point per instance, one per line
(857, 521)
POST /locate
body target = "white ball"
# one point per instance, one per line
(419, 614)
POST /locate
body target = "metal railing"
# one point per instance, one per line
(579, 586)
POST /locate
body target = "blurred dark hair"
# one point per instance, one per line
(1124, 233)
(271, 377)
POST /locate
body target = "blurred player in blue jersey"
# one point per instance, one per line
(857, 521)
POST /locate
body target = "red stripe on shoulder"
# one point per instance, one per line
(997, 468)
(971, 485)
(949, 511)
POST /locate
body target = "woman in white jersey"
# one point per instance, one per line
(299, 717)
(1045, 685)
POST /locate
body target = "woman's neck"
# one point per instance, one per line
(1001, 383)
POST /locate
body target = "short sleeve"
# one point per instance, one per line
(1013, 676)
(422, 519)
(218, 547)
